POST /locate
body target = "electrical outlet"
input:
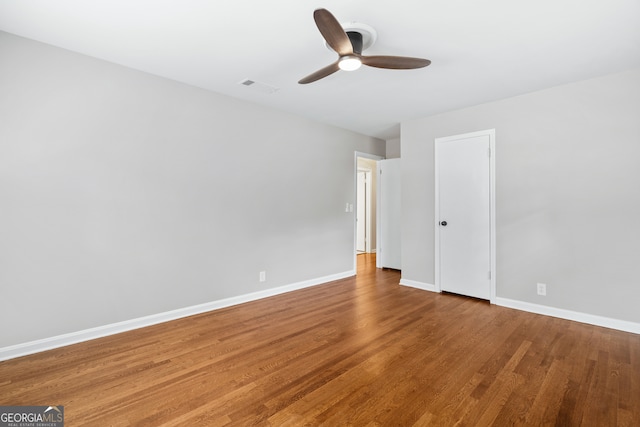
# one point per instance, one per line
(263, 276)
(542, 289)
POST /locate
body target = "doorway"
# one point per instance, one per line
(465, 214)
(366, 206)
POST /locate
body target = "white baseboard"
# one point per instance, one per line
(37, 346)
(418, 285)
(590, 319)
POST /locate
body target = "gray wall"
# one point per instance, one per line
(124, 195)
(393, 148)
(567, 190)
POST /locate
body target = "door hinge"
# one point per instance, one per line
(489, 274)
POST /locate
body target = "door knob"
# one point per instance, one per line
(443, 223)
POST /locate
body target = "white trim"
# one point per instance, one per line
(378, 215)
(591, 319)
(436, 216)
(37, 346)
(418, 285)
(492, 213)
(491, 133)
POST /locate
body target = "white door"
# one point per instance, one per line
(464, 214)
(389, 255)
(361, 212)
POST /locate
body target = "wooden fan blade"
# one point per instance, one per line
(332, 32)
(395, 62)
(321, 73)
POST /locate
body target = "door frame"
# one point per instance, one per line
(492, 205)
(363, 155)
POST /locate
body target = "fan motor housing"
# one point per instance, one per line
(366, 34)
(356, 41)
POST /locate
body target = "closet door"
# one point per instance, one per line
(463, 252)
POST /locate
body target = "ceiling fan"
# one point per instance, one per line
(348, 45)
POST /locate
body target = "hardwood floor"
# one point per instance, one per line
(362, 351)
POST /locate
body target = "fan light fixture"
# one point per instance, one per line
(349, 63)
(349, 44)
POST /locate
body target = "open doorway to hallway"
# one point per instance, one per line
(366, 182)
(366, 206)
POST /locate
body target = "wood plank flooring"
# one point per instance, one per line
(362, 351)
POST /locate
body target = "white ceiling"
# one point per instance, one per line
(480, 50)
